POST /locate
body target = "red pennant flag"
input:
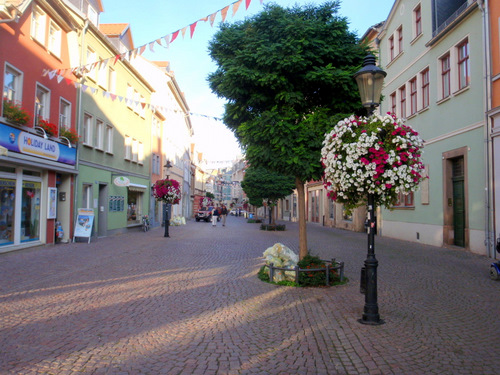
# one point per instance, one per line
(223, 13)
(174, 35)
(247, 3)
(192, 27)
(117, 57)
(68, 81)
(113, 97)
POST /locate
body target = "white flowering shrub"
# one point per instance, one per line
(178, 220)
(376, 155)
(281, 256)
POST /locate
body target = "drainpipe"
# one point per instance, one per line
(489, 240)
(14, 16)
(79, 121)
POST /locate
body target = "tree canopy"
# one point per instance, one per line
(285, 73)
(260, 183)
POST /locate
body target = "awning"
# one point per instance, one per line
(137, 187)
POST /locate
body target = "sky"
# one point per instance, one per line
(189, 59)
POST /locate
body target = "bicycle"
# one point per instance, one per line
(145, 223)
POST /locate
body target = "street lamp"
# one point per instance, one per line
(370, 79)
(167, 206)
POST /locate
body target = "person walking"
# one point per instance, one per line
(215, 216)
(224, 215)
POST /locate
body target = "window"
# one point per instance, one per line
(128, 148)
(140, 151)
(12, 84)
(135, 150)
(405, 201)
(417, 14)
(54, 39)
(42, 103)
(445, 76)
(463, 65)
(156, 164)
(400, 39)
(393, 103)
(86, 196)
(87, 129)
(391, 48)
(424, 77)
(102, 77)
(91, 63)
(111, 80)
(402, 102)
(413, 96)
(64, 114)
(99, 134)
(142, 106)
(109, 139)
(38, 24)
(130, 96)
(156, 127)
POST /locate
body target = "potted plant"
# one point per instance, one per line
(169, 192)
(15, 113)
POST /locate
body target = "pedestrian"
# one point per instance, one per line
(224, 215)
(215, 216)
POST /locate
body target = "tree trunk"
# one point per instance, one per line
(302, 218)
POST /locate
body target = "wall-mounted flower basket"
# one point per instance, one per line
(15, 113)
(69, 133)
(50, 128)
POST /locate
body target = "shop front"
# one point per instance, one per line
(36, 182)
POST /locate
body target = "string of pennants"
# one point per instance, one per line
(59, 74)
(130, 102)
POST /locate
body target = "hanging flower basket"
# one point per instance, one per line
(378, 155)
(15, 113)
(167, 191)
(206, 202)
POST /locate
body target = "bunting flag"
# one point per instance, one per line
(236, 5)
(192, 27)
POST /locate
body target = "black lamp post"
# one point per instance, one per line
(166, 213)
(370, 79)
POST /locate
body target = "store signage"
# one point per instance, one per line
(16, 140)
(121, 181)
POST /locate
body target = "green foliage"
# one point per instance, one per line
(254, 221)
(272, 227)
(210, 195)
(260, 183)
(263, 275)
(315, 278)
(284, 73)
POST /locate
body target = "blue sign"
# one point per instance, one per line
(16, 140)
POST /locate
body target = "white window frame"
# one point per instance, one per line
(99, 134)
(130, 96)
(87, 196)
(140, 151)
(90, 63)
(17, 87)
(128, 148)
(42, 104)
(135, 150)
(64, 114)
(54, 39)
(38, 24)
(109, 139)
(88, 121)
(111, 80)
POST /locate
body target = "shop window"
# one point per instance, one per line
(7, 211)
(134, 206)
(30, 211)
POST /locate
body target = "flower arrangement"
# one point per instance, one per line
(206, 201)
(15, 113)
(281, 256)
(50, 128)
(376, 155)
(178, 220)
(69, 133)
(167, 191)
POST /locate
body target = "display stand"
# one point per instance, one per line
(84, 224)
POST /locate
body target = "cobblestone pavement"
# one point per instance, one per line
(140, 303)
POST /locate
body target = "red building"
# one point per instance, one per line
(38, 161)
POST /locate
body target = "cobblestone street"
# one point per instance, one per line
(140, 303)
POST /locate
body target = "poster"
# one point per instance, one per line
(52, 204)
(84, 223)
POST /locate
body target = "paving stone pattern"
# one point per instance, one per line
(140, 303)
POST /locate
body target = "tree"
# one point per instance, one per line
(261, 184)
(285, 72)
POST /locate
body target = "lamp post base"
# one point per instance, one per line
(369, 322)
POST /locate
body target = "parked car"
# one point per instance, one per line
(205, 214)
